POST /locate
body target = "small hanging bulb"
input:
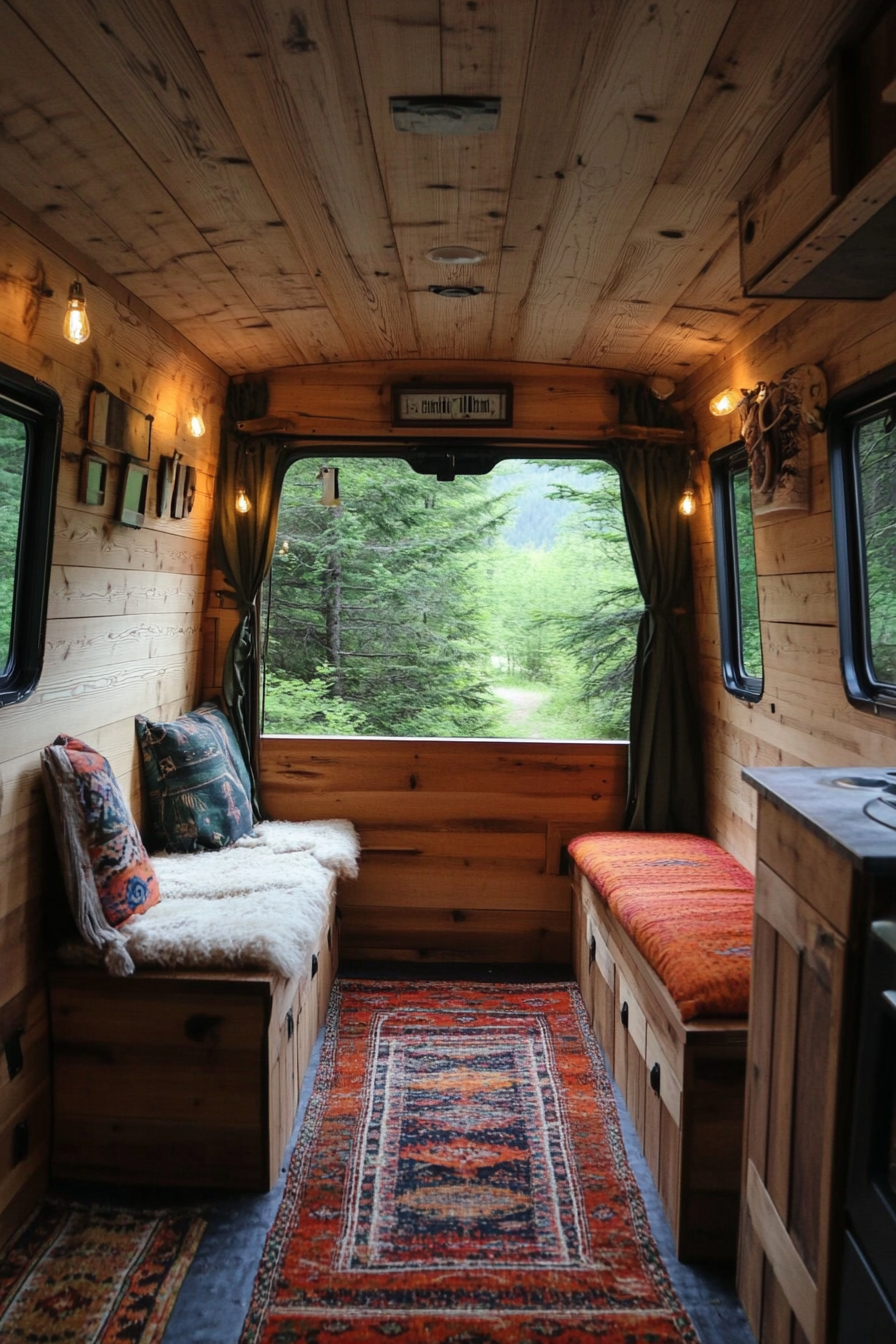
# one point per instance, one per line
(243, 502)
(197, 425)
(687, 505)
(76, 326)
(726, 402)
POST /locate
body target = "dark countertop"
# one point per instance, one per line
(833, 813)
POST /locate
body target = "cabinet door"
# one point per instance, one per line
(794, 1116)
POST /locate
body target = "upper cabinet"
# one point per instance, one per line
(821, 222)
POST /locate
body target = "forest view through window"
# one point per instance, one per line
(13, 448)
(502, 605)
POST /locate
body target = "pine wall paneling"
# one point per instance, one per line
(803, 717)
(123, 629)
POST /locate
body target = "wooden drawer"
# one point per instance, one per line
(683, 1083)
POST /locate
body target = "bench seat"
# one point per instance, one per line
(679, 1065)
(187, 1078)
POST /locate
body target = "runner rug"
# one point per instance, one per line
(79, 1274)
(460, 1179)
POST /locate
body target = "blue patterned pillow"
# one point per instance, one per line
(197, 798)
(220, 722)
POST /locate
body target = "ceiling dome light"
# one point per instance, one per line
(456, 291)
(455, 255)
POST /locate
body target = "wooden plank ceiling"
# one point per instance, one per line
(233, 163)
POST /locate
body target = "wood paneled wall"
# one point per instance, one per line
(123, 634)
(462, 840)
(803, 717)
(549, 400)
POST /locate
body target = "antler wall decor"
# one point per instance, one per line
(777, 421)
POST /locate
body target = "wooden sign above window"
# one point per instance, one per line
(456, 406)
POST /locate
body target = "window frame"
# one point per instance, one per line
(429, 457)
(737, 681)
(862, 401)
(39, 406)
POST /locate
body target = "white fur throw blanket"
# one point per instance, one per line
(260, 904)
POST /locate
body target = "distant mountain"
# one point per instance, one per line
(536, 518)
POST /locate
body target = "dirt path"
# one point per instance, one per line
(522, 705)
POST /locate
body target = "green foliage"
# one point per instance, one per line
(877, 466)
(421, 608)
(750, 634)
(385, 592)
(13, 445)
(593, 607)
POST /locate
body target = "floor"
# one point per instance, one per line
(214, 1299)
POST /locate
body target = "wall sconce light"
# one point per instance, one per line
(243, 502)
(687, 505)
(75, 324)
(726, 401)
(197, 425)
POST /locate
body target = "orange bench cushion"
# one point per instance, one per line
(688, 907)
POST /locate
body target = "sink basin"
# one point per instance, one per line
(871, 782)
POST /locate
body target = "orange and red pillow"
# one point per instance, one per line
(686, 904)
(124, 876)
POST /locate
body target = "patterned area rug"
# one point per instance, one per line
(460, 1179)
(93, 1275)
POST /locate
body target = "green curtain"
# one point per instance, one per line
(243, 544)
(665, 753)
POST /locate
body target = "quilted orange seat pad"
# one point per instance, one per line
(688, 907)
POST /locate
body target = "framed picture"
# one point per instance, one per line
(453, 406)
(94, 473)
(112, 423)
(134, 489)
(165, 483)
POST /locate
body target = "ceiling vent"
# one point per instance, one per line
(438, 115)
(456, 291)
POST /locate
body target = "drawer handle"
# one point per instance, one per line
(592, 951)
(623, 1015)
(655, 1078)
(21, 1142)
(290, 1024)
(313, 966)
(15, 1060)
(203, 1028)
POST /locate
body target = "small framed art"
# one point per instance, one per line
(134, 489)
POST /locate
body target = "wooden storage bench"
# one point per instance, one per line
(182, 1077)
(683, 1082)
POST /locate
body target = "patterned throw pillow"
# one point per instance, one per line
(197, 797)
(124, 876)
(220, 722)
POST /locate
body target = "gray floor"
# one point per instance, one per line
(214, 1299)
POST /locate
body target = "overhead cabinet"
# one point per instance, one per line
(821, 223)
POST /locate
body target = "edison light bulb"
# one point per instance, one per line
(243, 503)
(688, 503)
(726, 402)
(76, 327)
(197, 425)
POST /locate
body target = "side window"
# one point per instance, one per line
(863, 490)
(736, 573)
(30, 433)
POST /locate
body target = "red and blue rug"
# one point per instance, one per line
(461, 1179)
